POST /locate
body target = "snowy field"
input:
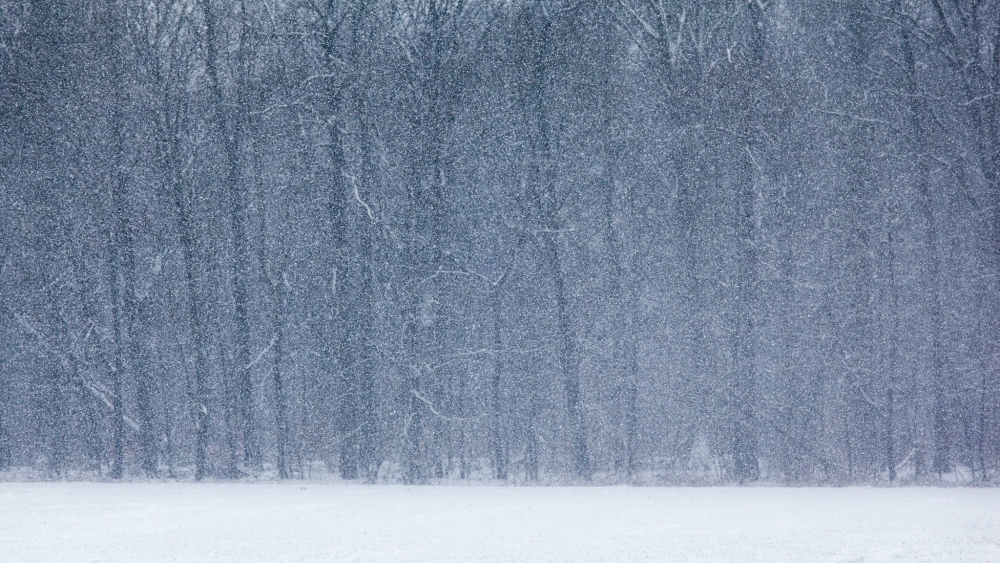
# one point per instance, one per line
(111, 523)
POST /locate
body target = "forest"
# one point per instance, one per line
(525, 241)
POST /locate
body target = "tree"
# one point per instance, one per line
(231, 118)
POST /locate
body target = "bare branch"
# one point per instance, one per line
(430, 406)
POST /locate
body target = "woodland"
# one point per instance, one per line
(558, 242)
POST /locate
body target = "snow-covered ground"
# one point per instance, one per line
(153, 522)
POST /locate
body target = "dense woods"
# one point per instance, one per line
(642, 241)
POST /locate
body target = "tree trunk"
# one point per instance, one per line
(742, 387)
(917, 108)
(174, 179)
(231, 124)
(546, 209)
(500, 427)
(892, 355)
(118, 404)
(281, 406)
(622, 301)
(358, 249)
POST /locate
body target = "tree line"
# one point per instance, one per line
(645, 241)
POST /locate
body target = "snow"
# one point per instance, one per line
(190, 522)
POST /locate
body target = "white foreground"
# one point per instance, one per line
(219, 523)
